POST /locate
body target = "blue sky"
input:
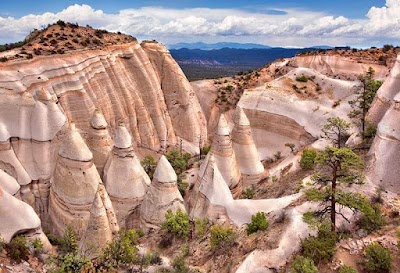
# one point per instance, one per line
(350, 9)
(279, 23)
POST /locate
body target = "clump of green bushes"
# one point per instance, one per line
(258, 223)
(303, 265)
(321, 247)
(177, 223)
(378, 259)
(221, 237)
(307, 160)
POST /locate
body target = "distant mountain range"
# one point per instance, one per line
(221, 45)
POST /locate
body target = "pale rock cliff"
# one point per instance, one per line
(383, 166)
(16, 216)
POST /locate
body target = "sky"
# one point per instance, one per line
(358, 23)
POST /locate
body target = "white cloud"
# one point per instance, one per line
(291, 27)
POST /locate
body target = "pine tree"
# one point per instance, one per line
(364, 97)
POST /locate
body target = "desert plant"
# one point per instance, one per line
(120, 251)
(378, 259)
(248, 193)
(149, 165)
(303, 265)
(371, 218)
(73, 263)
(336, 130)
(307, 160)
(222, 237)
(177, 223)
(291, 146)
(258, 223)
(347, 269)
(321, 247)
(18, 249)
(200, 226)
(69, 241)
(302, 78)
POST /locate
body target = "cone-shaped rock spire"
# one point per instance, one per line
(98, 232)
(162, 195)
(73, 185)
(225, 157)
(245, 149)
(125, 180)
(99, 140)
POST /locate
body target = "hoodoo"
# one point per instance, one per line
(99, 140)
(225, 157)
(125, 179)
(162, 195)
(74, 184)
(245, 149)
(98, 232)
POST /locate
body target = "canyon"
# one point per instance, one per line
(74, 128)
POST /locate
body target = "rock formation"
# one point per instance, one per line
(98, 232)
(162, 195)
(73, 185)
(383, 165)
(225, 157)
(16, 216)
(99, 140)
(8, 183)
(125, 179)
(245, 149)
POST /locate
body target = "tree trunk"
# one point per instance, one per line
(333, 201)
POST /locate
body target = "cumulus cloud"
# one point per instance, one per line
(285, 27)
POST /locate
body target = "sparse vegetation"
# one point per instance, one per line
(364, 97)
(200, 227)
(177, 223)
(149, 165)
(258, 223)
(307, 160)
(302, 78)
(249, 193)
(18, 249)
(347, 269)
(303, 265)
(221, 237)
(378, 259)
(321, 247)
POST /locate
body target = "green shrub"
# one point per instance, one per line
(321, 247)
(177, 223)
(204, 150)
(200, 226)
(179, 265)
(370, 131)
(121, 251)
(73, 263)
(248, 193)
(303, 265)
(149, 165)
(347, 269)
(372, 218)
(258, 222)
(221, 237)
(2, 244)
(307, 160)
(152, 258)
(69, 242)
(18, 249)
(302, 78)
(378, 258)
(61, 23)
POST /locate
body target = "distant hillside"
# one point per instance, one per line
(205, 46)
(201, 64)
